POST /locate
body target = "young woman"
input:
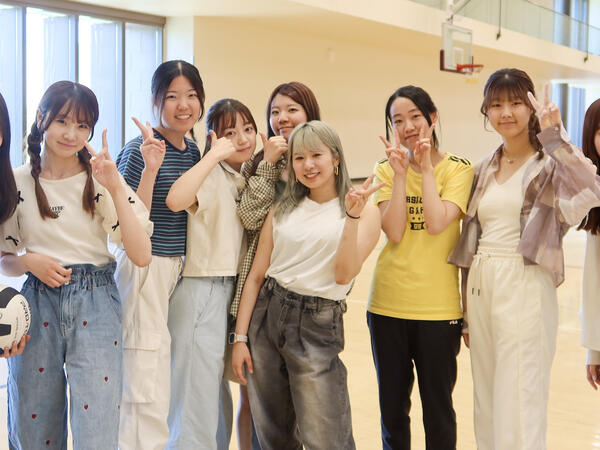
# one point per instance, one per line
(198, 307)
(8, 200)
(312, 245)
(526, 195)
(150, 164)
(67, 205)
(289, 105)
(590, 311)
(411, 317)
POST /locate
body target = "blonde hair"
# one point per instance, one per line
(308, 136)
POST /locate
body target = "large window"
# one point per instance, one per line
(112, 52)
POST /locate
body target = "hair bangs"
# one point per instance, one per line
(305, 139)
(507, 84)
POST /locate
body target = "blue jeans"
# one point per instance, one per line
(298, 392)
(76, 327)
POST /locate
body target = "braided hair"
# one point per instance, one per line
(60, 99)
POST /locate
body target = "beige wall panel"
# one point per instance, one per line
(244, 59)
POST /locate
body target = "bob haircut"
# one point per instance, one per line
(301, 94)
(8, 187)
(222, 115)
(59, 100)
(512, 84)
(165, 74)
(591, 124)
(422, 101)
(306, 137)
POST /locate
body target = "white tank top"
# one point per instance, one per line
(304, 246)
(499, 212)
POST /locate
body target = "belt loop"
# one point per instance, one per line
(343, 305)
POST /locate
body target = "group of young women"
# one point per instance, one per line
(266, 245)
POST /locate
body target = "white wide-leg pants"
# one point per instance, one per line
(145, 293)
(513, 321)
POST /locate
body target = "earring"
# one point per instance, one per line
(336, 170)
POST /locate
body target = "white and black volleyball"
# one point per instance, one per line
(15, 316)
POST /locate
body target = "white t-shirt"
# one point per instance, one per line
(215, 237)
(74, 237)
(304, 246)
(499, 212)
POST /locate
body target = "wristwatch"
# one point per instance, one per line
(233, 338)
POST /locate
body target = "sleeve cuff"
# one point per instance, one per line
(268, 170)
(593, 357)
(553, 137)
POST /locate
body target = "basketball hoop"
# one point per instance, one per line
(472, 71)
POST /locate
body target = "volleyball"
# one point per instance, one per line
(15, 316)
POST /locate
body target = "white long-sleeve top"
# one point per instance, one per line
(590, 304)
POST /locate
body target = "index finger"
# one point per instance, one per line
(104, 141)
(397, 136)
(431, 129)
(368, 181)
(385, 142)
(375, 187)
(142, 128)
(534, 102)
(546, 95)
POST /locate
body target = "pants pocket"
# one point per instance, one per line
(140, 365)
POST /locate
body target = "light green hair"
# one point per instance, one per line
(310, 136)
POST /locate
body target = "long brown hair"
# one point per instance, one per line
(61, 98)
(591, 124)
(302, 95)
(513, 83)
(8, 187)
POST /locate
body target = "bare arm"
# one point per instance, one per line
(254, 281)
(146, 187)
(135, 239)
(393, 211)
(153, 152)
(438, 213)
(183, 192)
(359, 235)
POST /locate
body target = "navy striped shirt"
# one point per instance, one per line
(170, 228)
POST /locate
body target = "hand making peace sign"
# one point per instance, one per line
(423, 148)
(397, 155)
(153, 150)
(356, 199)
(104, 169)
(547, 112)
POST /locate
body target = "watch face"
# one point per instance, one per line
(231, 338)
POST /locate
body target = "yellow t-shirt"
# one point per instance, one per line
(412, 279)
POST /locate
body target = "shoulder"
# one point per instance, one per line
(383, 168)
(131, 149)
(22, 175)
(457, 161)
(456, 167)
(191, 145)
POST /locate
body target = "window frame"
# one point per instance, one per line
(76, 10)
